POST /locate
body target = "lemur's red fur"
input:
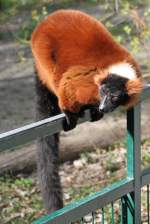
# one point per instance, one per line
(72, 53)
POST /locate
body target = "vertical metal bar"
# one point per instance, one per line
(93, 217)
(131, 208)
(148, 211)
(120, 211)
(103, 216)
(134, 162)
(82, 220)
(123, 211)
(112, 213)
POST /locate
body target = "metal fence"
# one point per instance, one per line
(125, 193)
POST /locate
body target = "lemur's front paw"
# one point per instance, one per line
(95, 114)
(70, 121)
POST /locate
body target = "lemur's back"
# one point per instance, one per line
(68, 37)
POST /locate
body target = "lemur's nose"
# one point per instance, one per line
(102, 103)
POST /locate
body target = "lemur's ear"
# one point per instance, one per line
(134, 87)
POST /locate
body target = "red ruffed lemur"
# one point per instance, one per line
(79, 65)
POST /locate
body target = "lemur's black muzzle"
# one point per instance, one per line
(107, 103)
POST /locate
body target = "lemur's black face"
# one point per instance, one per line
(113, 93)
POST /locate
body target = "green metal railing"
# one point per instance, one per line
(127, 191)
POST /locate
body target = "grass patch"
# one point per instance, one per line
(19, 201)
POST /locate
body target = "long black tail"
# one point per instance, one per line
(48, 151)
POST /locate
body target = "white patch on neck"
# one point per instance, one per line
(123, 69)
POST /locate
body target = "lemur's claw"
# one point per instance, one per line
(70, 121)
(96, 114)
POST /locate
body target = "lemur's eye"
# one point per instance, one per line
(104, 90)
(114, 98)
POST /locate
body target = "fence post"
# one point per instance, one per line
(132, 202)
